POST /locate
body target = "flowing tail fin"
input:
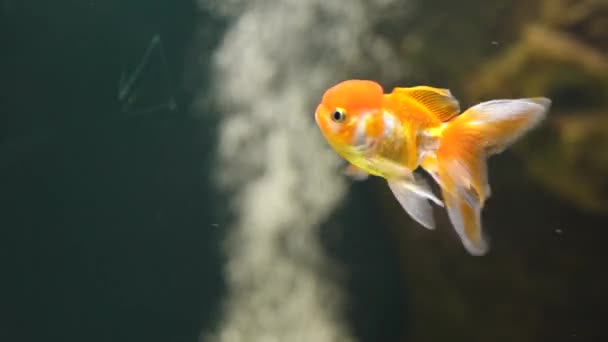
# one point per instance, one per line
(466, 142)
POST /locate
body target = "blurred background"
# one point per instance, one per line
(162, 179)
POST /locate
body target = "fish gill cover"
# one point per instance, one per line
(270, 69)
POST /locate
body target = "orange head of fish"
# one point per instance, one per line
(343, 106)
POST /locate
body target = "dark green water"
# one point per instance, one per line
(105, 226)
(108, 227)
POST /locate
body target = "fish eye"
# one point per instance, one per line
(338, 115)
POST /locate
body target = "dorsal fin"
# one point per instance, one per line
(438, 102)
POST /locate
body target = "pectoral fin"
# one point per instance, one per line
(355, 173)
(413, 195)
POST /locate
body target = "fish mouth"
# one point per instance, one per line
(317, 117)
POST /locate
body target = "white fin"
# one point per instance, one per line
(355, 173)
(413, 195)
(395, 172)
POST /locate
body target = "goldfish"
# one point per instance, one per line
(392, 135)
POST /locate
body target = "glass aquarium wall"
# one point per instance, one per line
(164, 178)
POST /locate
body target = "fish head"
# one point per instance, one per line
(343, 109)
